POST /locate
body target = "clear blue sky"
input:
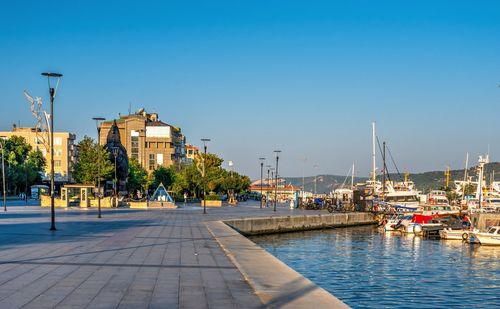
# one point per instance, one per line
(306, 77)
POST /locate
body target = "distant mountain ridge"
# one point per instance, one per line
(425, 181)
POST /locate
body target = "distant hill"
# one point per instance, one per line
(424, 181)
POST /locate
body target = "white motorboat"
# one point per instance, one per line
(462, 234)
(437, 197)
(489, 238)
(430, 210)
(403, 223)
(395, 221)
(401, 195)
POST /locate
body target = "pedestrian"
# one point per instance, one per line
(185, 197)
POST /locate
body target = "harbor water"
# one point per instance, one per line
(366, 268)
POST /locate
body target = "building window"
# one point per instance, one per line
(57, 152)
(159, 158)
(57, 141)
(135, 147)
(57, 163)
(151, 161)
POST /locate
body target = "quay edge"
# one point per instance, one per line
(283, 224)
(274, 282)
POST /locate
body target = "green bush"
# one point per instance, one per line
(212, 197)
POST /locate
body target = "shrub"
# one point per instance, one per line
(212, 197)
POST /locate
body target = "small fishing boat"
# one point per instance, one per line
(489, 238)
(460, 234)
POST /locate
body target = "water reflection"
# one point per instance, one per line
(368, 269)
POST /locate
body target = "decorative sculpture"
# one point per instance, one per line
(118, 154)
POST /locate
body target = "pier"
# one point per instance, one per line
(158, 258)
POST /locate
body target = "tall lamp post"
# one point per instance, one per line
(277, 152)
(261, 176)
(52, 93)
(267, 188)
(115, 154)
(205, 141)
(3, 176)
(98, 120)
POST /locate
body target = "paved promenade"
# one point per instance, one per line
(128, 259)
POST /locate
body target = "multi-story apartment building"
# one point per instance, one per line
(148, 139)
(191, 153)
(64, 150)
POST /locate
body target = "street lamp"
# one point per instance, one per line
(115, 154)
(267, 189)
(277, 152)
(52, 93)
(205, 141)
(98, 120)
(3, 176)
(261, 176)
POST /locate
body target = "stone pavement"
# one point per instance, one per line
(128, 259)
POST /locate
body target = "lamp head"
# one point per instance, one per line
(49, 74)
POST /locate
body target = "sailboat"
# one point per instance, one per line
(345, 193)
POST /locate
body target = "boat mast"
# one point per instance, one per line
(373, 154)
(385, 170)
(465, 176)
(479, 191)
(352, 177)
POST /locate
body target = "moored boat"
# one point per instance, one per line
(451, 234)
(488, 238)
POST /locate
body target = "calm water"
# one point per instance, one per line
(369, 269)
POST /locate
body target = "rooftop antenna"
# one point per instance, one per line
(129, 108)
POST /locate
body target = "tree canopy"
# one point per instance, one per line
(85, 169)
(188, 178)
(23, 165)
(138, 179)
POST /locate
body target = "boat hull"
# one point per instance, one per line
(487, 240)
(454, 234)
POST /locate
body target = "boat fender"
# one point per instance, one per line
(465, 236)
(417, 228)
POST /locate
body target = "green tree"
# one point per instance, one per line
(24, 166)
(218, 180)
(163, 175)
(85, 169)
(137, 177)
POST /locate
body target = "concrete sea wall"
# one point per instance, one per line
(270, 225)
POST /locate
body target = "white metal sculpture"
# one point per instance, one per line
(42, 128)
